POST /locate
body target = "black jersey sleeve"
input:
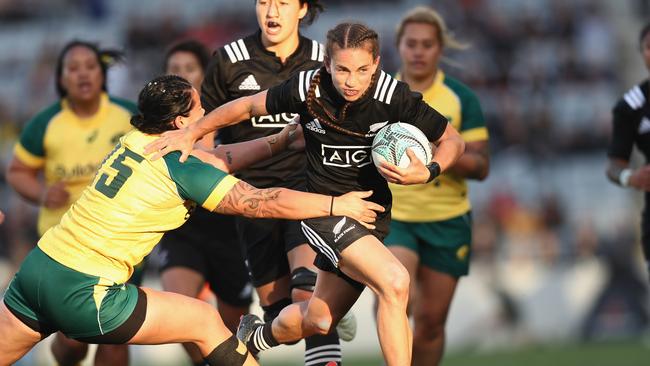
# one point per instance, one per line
(625, 124)
(411, 108)
(214, 89)
(286, 97)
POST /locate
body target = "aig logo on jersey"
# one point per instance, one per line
(346, 156)
(273, 120)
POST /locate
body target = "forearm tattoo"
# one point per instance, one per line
(229, 157)
(244, 199)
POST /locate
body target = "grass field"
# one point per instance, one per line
(592, 354)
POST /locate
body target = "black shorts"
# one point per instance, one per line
(329, 236)
(265, 243)
(208, 244)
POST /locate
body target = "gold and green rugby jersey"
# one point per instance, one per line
(446, 196)
(69, 148)
(131, 202)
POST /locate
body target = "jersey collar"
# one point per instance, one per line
(438, 82)
(303, 43)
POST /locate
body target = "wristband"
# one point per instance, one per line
(624, 177)
(434, 171)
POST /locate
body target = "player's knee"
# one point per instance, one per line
(428, 329)
(230, 352)
(395, 284)
(303, 282)
(272, 311)
(317, 323)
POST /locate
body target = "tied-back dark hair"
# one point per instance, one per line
(315, 7)
(192, 46)
(105, 57)
(160, 102)
(343, 36)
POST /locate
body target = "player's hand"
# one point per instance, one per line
(640, 178)
(415, 173)
(353, 205)
(2, 217)
(292, 134)
(182, 139)
(55, 196)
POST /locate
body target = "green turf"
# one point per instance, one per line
(593, 354)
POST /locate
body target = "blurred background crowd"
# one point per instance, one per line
(556, 254)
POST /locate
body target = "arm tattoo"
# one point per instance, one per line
(244, 199)
(229, 157)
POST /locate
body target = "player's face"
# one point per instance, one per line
(645, 50)
(197, 110)
(352, 70)
(82, 75)
(187, 66)
(420, 50)
(279, 19)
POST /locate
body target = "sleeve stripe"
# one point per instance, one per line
(301, 85)
(321, 52)
(379, 82)
(314, 50)
(244, 51)
(475, 134)
(26, 157)
(235, 48)
(390, 91)
(384, 87)
(219, 192)
(634, 98)
(231, 55)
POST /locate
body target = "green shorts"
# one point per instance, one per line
(48, 297)
(443, 246)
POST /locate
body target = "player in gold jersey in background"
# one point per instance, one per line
(67, 142)
(75, 279)
(431, 230)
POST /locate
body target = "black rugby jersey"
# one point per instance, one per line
(631, 123)
(244, 67)
(340, 163)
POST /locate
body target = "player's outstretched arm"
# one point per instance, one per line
(246, 200)
(228, 114)
(231, 158)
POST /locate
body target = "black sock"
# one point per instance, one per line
(262, 339)
(323, 350)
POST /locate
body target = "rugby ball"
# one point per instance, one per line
(391, 142)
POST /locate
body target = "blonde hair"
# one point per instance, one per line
(426, 15)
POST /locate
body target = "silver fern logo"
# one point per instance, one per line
(339, 226)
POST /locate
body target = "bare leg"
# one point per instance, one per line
(435, 292)
(68, 352)
(230, 314)
(332, 298)
(112, 355)
(411, 261)
(368, 261)
(16, 338)
(188, 282)
(198, 323)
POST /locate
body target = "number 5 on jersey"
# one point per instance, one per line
(123, 173)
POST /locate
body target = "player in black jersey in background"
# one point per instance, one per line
(192, 255)
(276, 251)
(342, 106)
(632, 127)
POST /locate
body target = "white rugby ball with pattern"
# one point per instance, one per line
(391, 142)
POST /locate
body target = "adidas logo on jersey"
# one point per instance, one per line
(315, 126)
(249, 83)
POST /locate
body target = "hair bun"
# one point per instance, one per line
(137, 120)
